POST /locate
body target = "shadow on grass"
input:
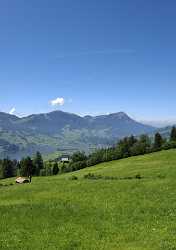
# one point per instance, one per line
(5, 185)
(137, 176)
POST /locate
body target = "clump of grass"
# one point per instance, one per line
(73, 178)
(6, 185)
(92, 176)
(97, 177)
(138, 176)
(161, 176)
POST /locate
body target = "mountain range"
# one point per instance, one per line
(63, 132)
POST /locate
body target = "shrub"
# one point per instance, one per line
(138, 176)
(161, 176)
(92, 176)
(73, 178)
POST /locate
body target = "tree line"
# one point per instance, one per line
(27, 167)
(126, 147)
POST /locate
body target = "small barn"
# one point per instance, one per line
(64, 158)
(21, 180)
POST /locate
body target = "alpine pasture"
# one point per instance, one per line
(120, 214)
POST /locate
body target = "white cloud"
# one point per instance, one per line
(58, 101)
(12, 111)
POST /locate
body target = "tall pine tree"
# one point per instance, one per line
(7, 168)
(26, 167)
(55, 168)
(173, 134)
(158, 141)
(38, 163)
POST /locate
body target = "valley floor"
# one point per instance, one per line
(60, 213)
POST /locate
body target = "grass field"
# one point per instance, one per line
(59, 213)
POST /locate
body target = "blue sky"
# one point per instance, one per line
(99, 56)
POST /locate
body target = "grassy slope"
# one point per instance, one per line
(152, 165)
(57, 213)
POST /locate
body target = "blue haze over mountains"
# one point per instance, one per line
(63, 132)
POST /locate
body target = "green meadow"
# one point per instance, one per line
(128, 214)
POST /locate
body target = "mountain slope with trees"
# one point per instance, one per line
(125, 148)
(61, 131)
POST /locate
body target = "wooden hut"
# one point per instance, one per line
(21, 180)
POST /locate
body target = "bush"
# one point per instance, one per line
(92, 176)
(138, 176)
(73, 178)
(161, 176)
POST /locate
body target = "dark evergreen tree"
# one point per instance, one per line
(124, 147)
(15, 164)
(55, 168)
(48, 169)
(79, 156)
(7, 168)
(158, 141)
(26, 167)
(173, 134)
(145, 144)
(132, 140)
(145, 139)
(37, 164)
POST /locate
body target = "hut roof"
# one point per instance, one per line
(21, 180)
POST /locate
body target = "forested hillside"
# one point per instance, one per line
(63, 132)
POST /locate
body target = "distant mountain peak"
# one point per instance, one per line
(120, 115)
(55, 130)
